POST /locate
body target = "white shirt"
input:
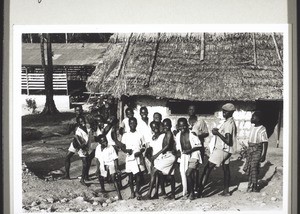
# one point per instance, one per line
(125, 125)
(134, 141)
(157, 144)
(107, 155)
(79, 132)
(145, 130)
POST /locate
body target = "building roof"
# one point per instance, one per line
(194, 66)
(78, 54)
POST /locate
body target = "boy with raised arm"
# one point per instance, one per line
(81, 145)
(72, 128)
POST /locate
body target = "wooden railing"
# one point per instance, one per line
(32, 82)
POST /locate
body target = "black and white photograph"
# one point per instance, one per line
(160, 120)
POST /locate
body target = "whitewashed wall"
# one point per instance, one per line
(242, 119)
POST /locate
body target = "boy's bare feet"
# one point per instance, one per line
(225, 193)
(102, 191)
(132, 196)
(155, 196)
(192, 197)
(138, 197)
(66, 177)
(83, 183)
(147, 197)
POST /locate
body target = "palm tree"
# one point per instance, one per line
(50, 107)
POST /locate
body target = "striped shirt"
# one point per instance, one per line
(258, 134)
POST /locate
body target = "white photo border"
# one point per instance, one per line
(15, 113)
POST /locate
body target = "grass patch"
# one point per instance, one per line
(34, 120)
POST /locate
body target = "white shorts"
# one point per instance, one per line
(133, 167)
(108, 168)
(219, 157)
(81, 153)
(164, 163)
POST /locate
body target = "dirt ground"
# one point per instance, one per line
(44, 191)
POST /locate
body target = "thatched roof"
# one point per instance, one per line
(194, 66)
(65, 54)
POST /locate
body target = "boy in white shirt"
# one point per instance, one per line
(107, 163)
(133, 144)
(81, 145)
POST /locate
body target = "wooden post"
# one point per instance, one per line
(277, 49)
(153, 60)
(120, 110)
(278, 128)
(254, 50)
(126, 47)
(27, 81)
(202, 48)
(66, 69)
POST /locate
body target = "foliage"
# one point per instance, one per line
(31, 105)
(69, 38)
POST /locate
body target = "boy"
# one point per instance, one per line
(163, 158)
(107, 163)
(144, 128)
(133, 145)
(124, 126)
(157, 117)
(223, 143)
(189, 146)
(198, 127)
(256, 151)
(81, 145)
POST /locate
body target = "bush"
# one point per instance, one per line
(31, 104)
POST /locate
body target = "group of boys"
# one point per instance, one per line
(156, 149)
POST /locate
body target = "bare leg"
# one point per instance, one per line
(115, 178)
(226, 180)
(205, 175)
(130, 180)
(172, 178)
(84, 170)
(190, 182)
(197, 179)
(152, 182)
(138, 177)
(101, 181)
(156, 185)
(162, 183)
(68, 164)
(90, 157)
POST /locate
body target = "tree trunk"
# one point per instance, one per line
(50, 107)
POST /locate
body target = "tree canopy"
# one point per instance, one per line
(69, 37)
